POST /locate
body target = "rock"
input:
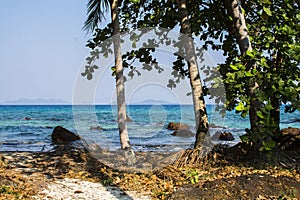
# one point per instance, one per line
(98, 128)
(177, 126)
(216, 136)
(61, 135)
(291, 131)
(224, 136)
(27, 118)
(290, 139)
(183, 133)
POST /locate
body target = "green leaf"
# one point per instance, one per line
(267, 11)
(260, 115)
(245, 138)
(250, 53)
(135, 1)
(240, 107)
(234, 67)
(267, 146)
(248, 74)
(196, 178)
(89, 76)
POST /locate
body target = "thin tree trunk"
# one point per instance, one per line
(124, 139)
(201, 118)
(234, 9)
(275, 114)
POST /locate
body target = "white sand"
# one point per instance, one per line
(73, 189)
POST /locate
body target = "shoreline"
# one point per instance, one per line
(49, 174)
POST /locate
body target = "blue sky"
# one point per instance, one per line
(43, 49)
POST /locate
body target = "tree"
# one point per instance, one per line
(235, 11)
(201, 118)
(264, 74)
(275, 52)
(95, 14)
(162, 14)
(119, 77)
(260, 75)
(276, 49)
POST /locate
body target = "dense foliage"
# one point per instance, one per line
(274, 30)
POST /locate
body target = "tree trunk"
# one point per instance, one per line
(234, 9)
(275, 115)
(201, 118)
(124, 139)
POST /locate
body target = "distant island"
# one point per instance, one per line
(36, 102)
(153, 102)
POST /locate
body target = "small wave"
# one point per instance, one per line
(12, 143)
(291, 121)
(26, 133)
(55, 119)
(49, 127)
(110, 129)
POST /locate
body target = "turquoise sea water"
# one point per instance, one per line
(147, 131)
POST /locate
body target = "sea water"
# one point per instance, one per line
(147, 131)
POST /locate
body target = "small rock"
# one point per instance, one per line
(27, 118)
(177, 126)
(183, 133)
(99, 128)
(224, 136)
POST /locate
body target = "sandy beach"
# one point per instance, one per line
(57, 175)
(72, 173)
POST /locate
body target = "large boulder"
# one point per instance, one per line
(61, 135)
(177, 126)
(183, 133)
(224, 136)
